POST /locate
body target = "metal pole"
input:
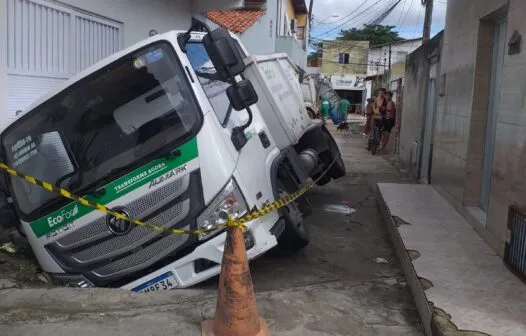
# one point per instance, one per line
(390, 53)
(428, 19)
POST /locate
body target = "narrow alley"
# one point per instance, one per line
(346, 282)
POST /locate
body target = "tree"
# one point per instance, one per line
(375, 34)
(317, 53)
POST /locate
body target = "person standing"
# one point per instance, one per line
(388, 120)
(343, 110)
(369, 111)
(325, 108)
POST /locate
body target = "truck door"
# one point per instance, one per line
(253, 160)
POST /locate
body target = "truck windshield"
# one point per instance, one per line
(101, 127)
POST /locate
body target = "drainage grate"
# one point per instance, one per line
(515, 250)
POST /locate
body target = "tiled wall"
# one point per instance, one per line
(461, 113)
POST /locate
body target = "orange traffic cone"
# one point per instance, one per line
(236, 311)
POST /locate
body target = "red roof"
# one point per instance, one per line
(237, 20)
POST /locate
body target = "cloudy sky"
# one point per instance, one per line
(330, 16)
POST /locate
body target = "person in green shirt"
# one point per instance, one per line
(343, 110)
(325, 108)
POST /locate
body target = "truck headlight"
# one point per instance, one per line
(229, 202)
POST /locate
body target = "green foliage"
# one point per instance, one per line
(375, 34)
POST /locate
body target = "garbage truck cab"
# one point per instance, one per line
(171, 132)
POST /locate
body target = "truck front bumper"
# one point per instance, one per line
(264, 234)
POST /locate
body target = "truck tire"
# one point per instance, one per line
(311, 113)
(338, 168)
(296, 234)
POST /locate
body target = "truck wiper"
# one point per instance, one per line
(165, 154)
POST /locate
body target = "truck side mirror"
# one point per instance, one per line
(223, 53)
(242, 95)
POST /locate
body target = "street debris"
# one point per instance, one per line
(8, 247)
(6, 284)
(344, 208)
(42, 277)
(381, 261)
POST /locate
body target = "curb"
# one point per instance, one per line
(419, 297)
(436, 322)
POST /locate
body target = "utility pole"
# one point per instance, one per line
(390, 54)
(428, 19)
(311, 4)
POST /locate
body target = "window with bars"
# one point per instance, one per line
(343, 58)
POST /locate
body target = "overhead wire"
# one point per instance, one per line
(351, 13)
(341, 25)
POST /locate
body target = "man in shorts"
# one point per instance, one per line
(388, 119)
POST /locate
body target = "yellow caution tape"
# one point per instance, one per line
(231, 222)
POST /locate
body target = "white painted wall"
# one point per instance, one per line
(139, 16)
(200, 6)
(399, 52)
(3, 54)
(261, 37)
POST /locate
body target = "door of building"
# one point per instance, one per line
(429, 122)
(499, 46)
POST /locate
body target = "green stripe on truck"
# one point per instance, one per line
(114, 190)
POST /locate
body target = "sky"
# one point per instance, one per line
(330, 16)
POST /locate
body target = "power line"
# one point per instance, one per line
(333, 29)
(386, 13)
(352, 12)
(407, 13)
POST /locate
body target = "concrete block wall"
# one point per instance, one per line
(460, 129)
(416, 79)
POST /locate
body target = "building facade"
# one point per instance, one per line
(44, 42)
(381, 57)
(478, 136)
(266, 27)
(344, 58)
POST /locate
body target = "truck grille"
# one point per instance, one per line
(139, 208)
(103, 257)
(515, 250)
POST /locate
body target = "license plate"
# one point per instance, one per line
(163, 282)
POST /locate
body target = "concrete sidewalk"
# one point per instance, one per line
(459, 284)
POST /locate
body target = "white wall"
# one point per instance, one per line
(399, 52)
(139, 16)
(3, 54)
(261, 37)
(200, 6)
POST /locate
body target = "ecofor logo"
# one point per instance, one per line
(63, 215)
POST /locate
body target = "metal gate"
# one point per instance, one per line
(515, 249)
(47, 43)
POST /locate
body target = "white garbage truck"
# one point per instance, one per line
(181, 131)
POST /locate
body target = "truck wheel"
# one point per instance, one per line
(338, 168)
(296, 234)
(311, 113)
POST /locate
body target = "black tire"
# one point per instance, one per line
(338, 168)
(296, 234)
(311, 113)
(322, 181)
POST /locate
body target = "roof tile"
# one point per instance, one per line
(238, 20)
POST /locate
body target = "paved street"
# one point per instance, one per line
(346, 282)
